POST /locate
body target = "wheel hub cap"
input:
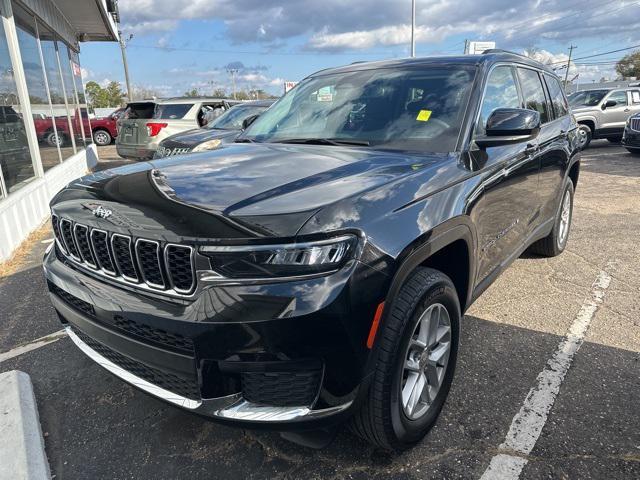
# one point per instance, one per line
(426, 361)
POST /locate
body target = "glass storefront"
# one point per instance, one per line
(43, 119)
(16, 165)
(81, 97)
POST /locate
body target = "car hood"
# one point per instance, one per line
(271, 189)
(194, 137)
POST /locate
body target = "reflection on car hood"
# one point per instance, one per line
(275, 186)
(194, 137)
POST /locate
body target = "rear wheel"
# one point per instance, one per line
(584, 136)
(54, 139)
(555, 243)
(101, 137)
(417, 350)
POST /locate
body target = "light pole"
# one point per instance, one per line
(123, 48)
(233, 72)
(566, 75)
(413, 28)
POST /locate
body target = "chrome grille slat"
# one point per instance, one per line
(635, 124)
(148, 255)
(81, 234)
(145, 263)
(66, 229)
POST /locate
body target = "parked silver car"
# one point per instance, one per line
(145, 124)
(603, 113)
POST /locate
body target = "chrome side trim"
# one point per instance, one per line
(88, 261)
(263, 246)
(243, 410)
(168, 269)
(144, 279)
(115, 258)
(130, 378)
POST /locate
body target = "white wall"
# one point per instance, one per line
(23, 211)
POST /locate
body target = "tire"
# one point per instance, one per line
(634, 151)
(555, 243)
(54, 139)
(102, 137)
(383, 419)
(584, 136)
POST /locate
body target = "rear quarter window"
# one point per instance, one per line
(172, 111)
(139, 110)
(558, 100)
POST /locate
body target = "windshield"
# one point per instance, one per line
(232, 119)
(400, 108)
(588, 98)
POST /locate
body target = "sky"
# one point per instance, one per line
(178, 45)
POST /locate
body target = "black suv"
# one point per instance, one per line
(316, 271)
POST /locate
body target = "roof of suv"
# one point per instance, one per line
(190, 100)
(490, 56)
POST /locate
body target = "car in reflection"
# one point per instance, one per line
(221, 130)
(145, 124)
(631, 135)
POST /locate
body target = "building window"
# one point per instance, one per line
(41, 110)
(72, 101)
(56, 90)
(16, 165)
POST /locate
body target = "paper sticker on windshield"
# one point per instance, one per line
(424, 115)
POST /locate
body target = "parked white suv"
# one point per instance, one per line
(603, 113)
(145, 124)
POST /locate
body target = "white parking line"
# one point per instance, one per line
(40, 342)
(527, 425)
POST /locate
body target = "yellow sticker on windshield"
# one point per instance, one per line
(424, 115)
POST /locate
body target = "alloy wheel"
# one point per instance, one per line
(425, 362)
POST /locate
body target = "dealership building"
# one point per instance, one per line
(45, 136)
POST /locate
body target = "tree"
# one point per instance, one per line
(219, 93)
(629, 65)
(144, 93)
(110, 96)
(191, 93)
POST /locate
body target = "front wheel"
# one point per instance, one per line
(555, 243)
(54, 139)
(584, 136)
(102, 137)
(417, 347)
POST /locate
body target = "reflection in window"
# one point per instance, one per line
(15, 159)
(533, 93)
(36, 85)
(500, 92)
(63, 124)
(72, 103)
(80, 96)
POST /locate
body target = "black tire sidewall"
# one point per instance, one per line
(409, 431)
(556, 228)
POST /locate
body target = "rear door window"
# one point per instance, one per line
(558, 100)
(139, 110)
(533, 93)
(172, 111)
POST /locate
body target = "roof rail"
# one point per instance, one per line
(501, 50)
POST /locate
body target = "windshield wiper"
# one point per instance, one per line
(244, 140)
(325, 141)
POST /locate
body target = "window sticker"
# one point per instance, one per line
(424, 115)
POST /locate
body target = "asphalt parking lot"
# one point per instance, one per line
(98, 427)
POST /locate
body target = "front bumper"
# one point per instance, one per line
(631, 138)
(225, 334)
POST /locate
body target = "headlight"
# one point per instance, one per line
(283, 260)
(209, 145)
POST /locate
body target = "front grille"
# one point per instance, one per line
(148, 253)
(284, 389)
(186, 386)
(66, 229)
(72, 300)
(155, 335)
(634, 124)
(161, 267)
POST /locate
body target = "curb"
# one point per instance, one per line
(22, 454)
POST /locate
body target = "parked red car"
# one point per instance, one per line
(103, 129)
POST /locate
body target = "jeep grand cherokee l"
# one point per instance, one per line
(316, 271)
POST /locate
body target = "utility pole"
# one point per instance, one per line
(413, 28)
(123, 48)
(566, 75)
(233, 72)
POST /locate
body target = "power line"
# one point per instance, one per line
(599, 54)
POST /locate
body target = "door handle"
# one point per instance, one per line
(627, 110)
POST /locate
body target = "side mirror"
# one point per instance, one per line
(248, 121)
(506, 126)
(609, 104)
